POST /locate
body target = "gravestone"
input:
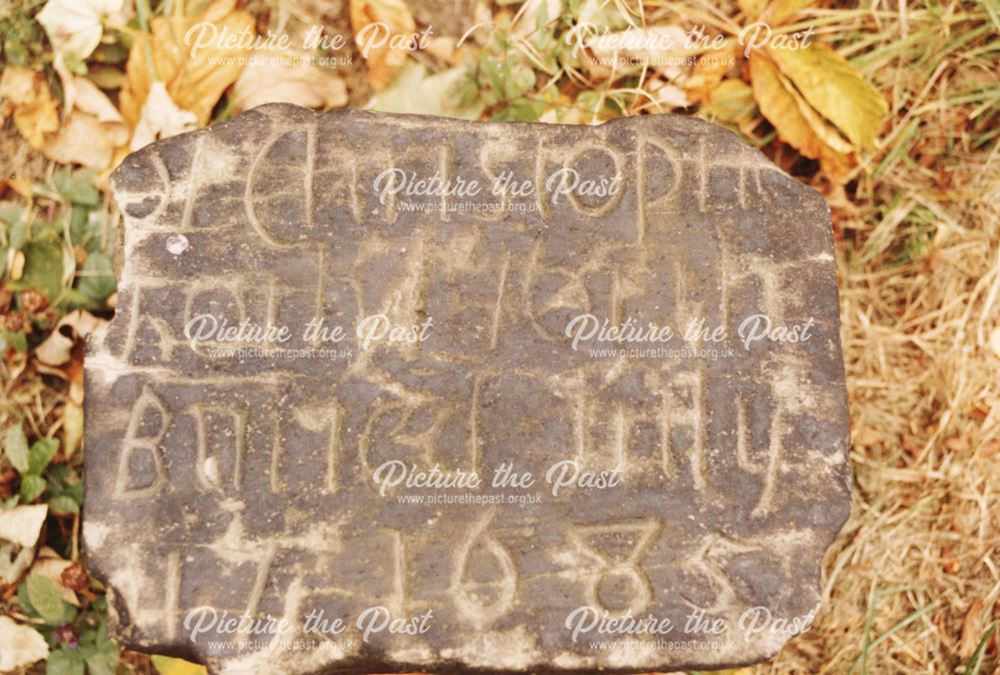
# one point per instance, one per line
(387, 392)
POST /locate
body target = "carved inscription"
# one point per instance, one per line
(423, 393)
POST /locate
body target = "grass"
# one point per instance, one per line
(913, 581)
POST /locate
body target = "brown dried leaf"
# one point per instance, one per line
(161, 118)
(56, 349)
(23, 645)
(382, 29)
(22, 524)
(35, 111)
(273, 79)
(752, 8)
(708, 72)
(85, 140)
(972, 629)
(196, 72)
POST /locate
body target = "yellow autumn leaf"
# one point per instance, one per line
(709, 70)
(797, 124)
(778, 105)
(383, 31)
(166, 665)
(191, 55)
(835, 89)
(731, 101)
(36, 113)
(752, 8)
(823, 129)
(779, 11)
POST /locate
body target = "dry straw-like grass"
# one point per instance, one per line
(913, 581)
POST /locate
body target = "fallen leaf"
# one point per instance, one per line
(83, 95)
(383, 31)
(87, 141)
(796, 122)
(779, 11)
(835, 89)
(22, 524)
(56, 349)
(161, 118)
(972, 628)
(93, 126)
(195, 71)
(72, 427)
(828, 135)
(15, 264)
(443, 49)
(836, 166)
(22, 645)
(561, 110)
(709, 71)
(75, 26)
(281, 78)
(527, 21)
(667, 95)
(778, 105)
(52, 569)
(14, 560)
(731, 101)
(661, 47)
(417, 92)
(166, 665)
(35, 111)
(15, 447)
(995, 342)
(752, 8)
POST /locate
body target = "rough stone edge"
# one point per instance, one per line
(117, 609)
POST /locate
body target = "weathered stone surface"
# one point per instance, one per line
(220, 477)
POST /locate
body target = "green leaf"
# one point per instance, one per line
(43, 269)
(18, 341)
(79, 218)
(102, 663)
(16, 448)
(65, 662)
(19, 234)
(97, 280)
(521, 110)
(32, 487)
(414, 91)
(45, 599)
(41, 454)
(78, 189)
(64, 505)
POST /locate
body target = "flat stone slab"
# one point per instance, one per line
(388, 392)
